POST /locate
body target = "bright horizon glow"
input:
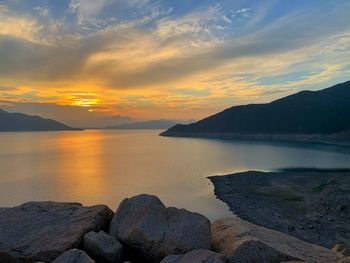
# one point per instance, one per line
(81, 60)
(83, 100)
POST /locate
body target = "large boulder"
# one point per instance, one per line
(245, 242)
(74, 256)
(102, 247)
(152, 231)
(196, 256)
(41, 231)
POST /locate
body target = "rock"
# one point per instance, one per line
(153, 231)
(41, 231)
(244, 242)
(74, 256)
(102, 247)
(342, 249)
(196, 256)
(300, 202)
(344, 260)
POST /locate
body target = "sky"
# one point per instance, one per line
(80, 61)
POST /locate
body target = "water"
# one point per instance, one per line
(105, 166)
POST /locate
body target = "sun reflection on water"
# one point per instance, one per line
(80, 167)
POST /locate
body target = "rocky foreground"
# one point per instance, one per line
(143, 230)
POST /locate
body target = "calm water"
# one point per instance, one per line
(94, 167)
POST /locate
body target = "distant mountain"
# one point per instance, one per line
(23, 122)
(152, 124)
(73, 116)
(100, 122)
(317, 113)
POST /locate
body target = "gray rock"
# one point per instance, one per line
(299, 203)
(342, 249)
(102, 247)
(344, 260)
(245, 242)
(196, 256)
(153, 231)
(41, 231)
(73, 256)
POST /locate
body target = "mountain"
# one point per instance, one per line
(317, 113)
(152, 124)
(73, 116)
(99, 122)
(23, 122)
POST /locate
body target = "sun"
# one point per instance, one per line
(84, 100)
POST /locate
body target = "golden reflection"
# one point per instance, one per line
(80, 172)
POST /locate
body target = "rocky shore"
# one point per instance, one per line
(143, 229)
(309, 204)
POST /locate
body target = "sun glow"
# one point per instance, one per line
(84, 100)
(163, 59)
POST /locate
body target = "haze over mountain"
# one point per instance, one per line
(152, 124)
(307, 112)
(101, 122)
(23, 122)
(74, 116)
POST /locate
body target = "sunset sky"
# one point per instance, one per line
(78, 60)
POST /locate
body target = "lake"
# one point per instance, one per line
(105, 166)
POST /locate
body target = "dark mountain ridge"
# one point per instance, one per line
(23, 122)
(322, 112)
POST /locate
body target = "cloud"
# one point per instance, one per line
(141, 56)
(42, 11)
(195, 24)
(20, 27)
(271, 41)
(3, 8)
(6, 88)
(326, 73)
(87, 8)
(127, 57)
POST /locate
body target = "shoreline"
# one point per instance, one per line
(311, 205)
(339, 139)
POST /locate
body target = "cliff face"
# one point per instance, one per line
(320, 113)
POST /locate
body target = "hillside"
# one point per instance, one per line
(23, 122)
(319, 113)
